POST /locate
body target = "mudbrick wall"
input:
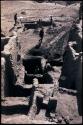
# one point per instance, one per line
(9, 65)
(2, 77)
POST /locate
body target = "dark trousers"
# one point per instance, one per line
(15, 22)
(41, 38)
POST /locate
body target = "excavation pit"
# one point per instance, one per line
(34, 68)
(36, 24)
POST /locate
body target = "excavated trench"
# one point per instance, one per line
(35, 67)
(32, 67)
(40, 78)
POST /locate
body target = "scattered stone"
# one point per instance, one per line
(55, 120)
(52, 115)
(60, 119)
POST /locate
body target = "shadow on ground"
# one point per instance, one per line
(16, 109)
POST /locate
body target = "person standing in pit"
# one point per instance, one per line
(15, 19)
(41, 34)
(52, 23)
(51, 20)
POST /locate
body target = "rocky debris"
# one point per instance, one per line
(68, 91)
(60, 119)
